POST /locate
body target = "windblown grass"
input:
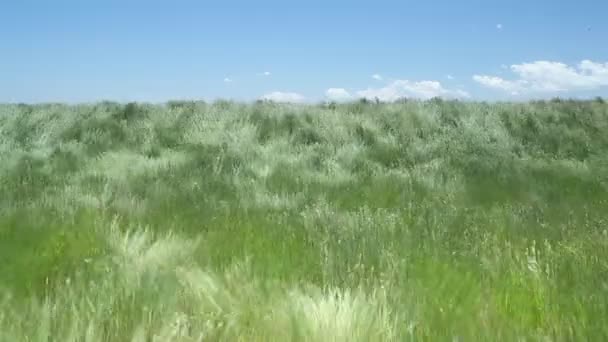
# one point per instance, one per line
(435, 220)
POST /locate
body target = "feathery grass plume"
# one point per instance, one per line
(333, 315)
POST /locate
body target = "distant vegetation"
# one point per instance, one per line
(436, 220)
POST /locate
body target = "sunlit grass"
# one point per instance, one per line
(435, 220)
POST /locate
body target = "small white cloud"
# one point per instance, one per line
(338, 94)
(227, 80)
(449, 77)
(377, 77)
(548, 77)
(278, 96)
(499, 26)
(404, 88)
(265, 73)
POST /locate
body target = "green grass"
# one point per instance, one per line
(436, 220)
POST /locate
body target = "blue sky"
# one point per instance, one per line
(82, 51)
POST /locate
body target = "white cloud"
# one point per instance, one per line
(449, 77)
(338, 94)
(548, 77)
(499, 83)
(554, 76)
(278, 96)
(265, 73)
(377, 77)
(227, 80)
(404, 88)
(499, 26)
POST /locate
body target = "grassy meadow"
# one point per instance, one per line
(412, 221)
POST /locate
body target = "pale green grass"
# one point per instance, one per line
(434, 220)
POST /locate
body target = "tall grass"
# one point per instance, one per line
(193, 221)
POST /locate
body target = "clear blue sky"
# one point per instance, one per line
(80, 51)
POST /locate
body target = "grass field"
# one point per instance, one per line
(413, 221)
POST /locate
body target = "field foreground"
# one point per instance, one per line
(188, 221)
